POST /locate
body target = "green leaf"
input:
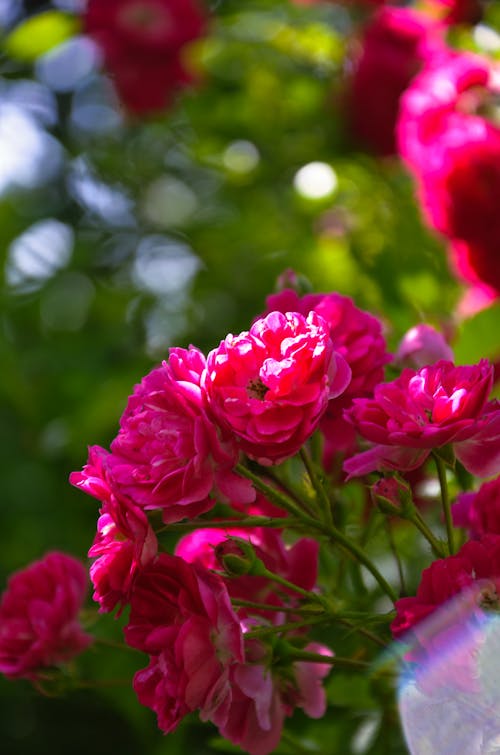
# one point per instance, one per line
(39, 34)
(478, 337)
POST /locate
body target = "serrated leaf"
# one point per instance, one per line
(39, 34)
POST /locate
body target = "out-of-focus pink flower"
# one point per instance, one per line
(479, 511)
(426, 409)
(454, 151)
(169, 453)
(142, 42)
(357, 335)
(475, 569)
(422, 345)
(271, 385)
(262, 698)
(395, 45)
(182, 617)
(452, 86)
(125, 541)
(297, 564)
(39, 609)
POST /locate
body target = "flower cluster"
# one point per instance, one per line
(233, 453)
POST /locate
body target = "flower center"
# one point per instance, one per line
(257, 389)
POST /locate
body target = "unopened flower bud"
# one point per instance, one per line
(392, 496)
(237, 557)
(422, 345)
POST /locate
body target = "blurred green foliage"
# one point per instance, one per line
(172, 231)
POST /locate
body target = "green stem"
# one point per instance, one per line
(356, 551)
(249, 521)
(288, 627)
(445, 502)
(323, 499)
(394, 551)
(332, 532)
(310, 596)
(365, 632)
(264, 606)
(421, 525)
(273, 495)
(305, 655)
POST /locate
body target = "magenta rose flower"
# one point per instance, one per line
(426, 409)
(39, 625)
(479, 511)
(182, 617)
(475, 569)
(395, 46)
(142, 42)
(169, 453)
(125, 541)
(453, 87)
(271, 385)
(454, 151)
(357, 335)
(263, 696)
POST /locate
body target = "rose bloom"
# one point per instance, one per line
(142, 42)
(357, 335)
(169, 453)
(182, 617)
(395, 45)
(39, 625)
(263, 697)
(479, 511)
(454, 152)
(426, 409)
(271, 385)
(453, 86)
(125, 541)
(475, 569)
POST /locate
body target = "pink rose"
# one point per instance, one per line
(426, 409)
(169, 453)
(474, 569)
(271, 385)
(357, 336)
(142, 43)
(263, 696)
(182, 617)
(479, 511)
(452, 87)
(422, 345)
(125, 541)
(39, 625)
(395, 45)
(455, 153)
